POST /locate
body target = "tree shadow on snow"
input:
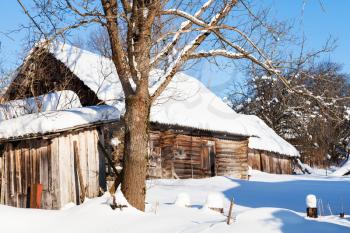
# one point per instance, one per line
(292, 223)
(291, 194)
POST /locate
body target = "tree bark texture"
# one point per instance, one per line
(135, 150)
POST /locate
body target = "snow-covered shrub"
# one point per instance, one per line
(214, 200)
(311, 201)
(183, 200)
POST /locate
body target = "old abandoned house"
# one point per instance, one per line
(193, 132)
(58, 150)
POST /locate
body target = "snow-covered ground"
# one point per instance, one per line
(266, 203)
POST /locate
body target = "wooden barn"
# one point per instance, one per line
(50, 159)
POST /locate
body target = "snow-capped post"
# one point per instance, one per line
(230, 211)
(215, 201)
(183, 200)
(311, 206)
(342, 214)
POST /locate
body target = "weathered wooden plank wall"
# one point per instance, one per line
(269, 162)
(26, 163)
(232, 158)
(186, 156)
(87, 142)
(51, 163)
(155, 161)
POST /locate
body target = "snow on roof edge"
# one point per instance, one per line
(38, 124)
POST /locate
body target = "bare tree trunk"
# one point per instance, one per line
(135, 150)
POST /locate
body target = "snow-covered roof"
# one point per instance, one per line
(49, 102)
(266, 138)
(185, 102)
(96, 71)
(56, 121)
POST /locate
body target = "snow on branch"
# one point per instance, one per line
(185, 15)
(184, 26)
(218, 52)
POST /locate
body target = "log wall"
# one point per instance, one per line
(232, 158)
(51, 163)
(269, 162)
(174, 155)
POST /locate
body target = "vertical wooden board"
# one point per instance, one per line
(64, 170)
(9, 177)
(87, 165)
(83, 156)
(56, 175)
(6, 176)
(12, 173)
(32, 163)
(264, 163)
(43, 164)
(44, 176)
(18, 188)
(95, 163)
(23, 171)
(271, 163)
(280, 165)
(49, 166)
(37, 162)
(71, 178)
(5, 185)
(26, 172)
(70, 170)
(75, 169)
(62, 164)
(91, 165)
(3, 179)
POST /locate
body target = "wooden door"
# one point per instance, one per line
(208, 165)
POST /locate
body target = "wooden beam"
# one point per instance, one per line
(80, 174)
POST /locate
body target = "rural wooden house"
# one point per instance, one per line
(58, 150)
(189, 125)
(193, 132)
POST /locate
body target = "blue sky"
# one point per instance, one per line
(316, 19)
